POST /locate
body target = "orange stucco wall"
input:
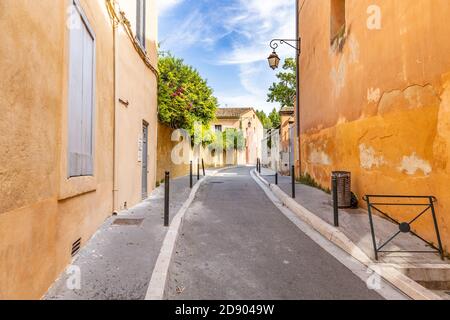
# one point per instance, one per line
(42, 212)
(377, 102)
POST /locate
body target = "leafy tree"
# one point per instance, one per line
(284, 91)
(266, 122)
(229, 139)
(275, 118)
(184, 97)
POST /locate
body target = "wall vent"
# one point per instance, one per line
(76, 246)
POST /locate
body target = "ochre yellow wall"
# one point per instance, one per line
(137, 85)
(41, 211)
(164, 155)
(379, 105)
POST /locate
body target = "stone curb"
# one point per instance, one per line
(157, 287)
(405, 284)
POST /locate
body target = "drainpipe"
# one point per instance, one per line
(116, 121)
(299, 44)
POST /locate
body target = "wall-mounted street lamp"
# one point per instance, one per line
(274, 59)
(274, 62)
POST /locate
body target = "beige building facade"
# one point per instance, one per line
(244, 119)
(287, 140)
(375, 98)
(76, 91)
(136, 127)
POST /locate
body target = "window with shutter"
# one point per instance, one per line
(81, 96)
(337, 19)
(140, 22)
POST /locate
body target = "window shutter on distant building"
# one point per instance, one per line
(81, 98)
(140, 21)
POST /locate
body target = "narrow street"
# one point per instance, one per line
(228, 150)
(236, 244)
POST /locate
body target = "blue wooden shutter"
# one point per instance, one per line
(88, 104)
(75, 98)
(81, 99)
(140, 21)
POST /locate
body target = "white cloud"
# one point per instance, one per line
(226, 100)
(165, 5)
(260, 21)
(194, 29)
(251, 25)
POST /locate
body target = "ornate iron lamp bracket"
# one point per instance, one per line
(275, 43)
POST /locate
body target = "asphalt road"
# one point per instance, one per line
(236, 244)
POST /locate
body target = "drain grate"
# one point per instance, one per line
(128, 222)
(76, 246)
(216, 182)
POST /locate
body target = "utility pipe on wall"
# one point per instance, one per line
(116, 126)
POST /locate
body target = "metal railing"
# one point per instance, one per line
(404, 227)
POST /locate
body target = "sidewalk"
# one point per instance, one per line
(118, 262)
(426, 268)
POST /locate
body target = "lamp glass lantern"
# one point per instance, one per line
(274, 60)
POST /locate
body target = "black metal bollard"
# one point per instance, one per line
(167, 199)
(276, 178)
(198, 169)
(293, 181)
(335, 200)
(190, 175)
(203, 166)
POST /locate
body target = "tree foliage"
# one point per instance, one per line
(275, 118)
(284, 91)
(229, 139)
(266, 122)
(184, 97)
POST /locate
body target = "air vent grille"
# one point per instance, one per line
(76, 246)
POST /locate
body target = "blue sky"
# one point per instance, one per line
(228, 42)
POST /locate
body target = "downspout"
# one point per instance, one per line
(299, 48)
(116, 121)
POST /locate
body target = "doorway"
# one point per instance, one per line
(145, 160)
